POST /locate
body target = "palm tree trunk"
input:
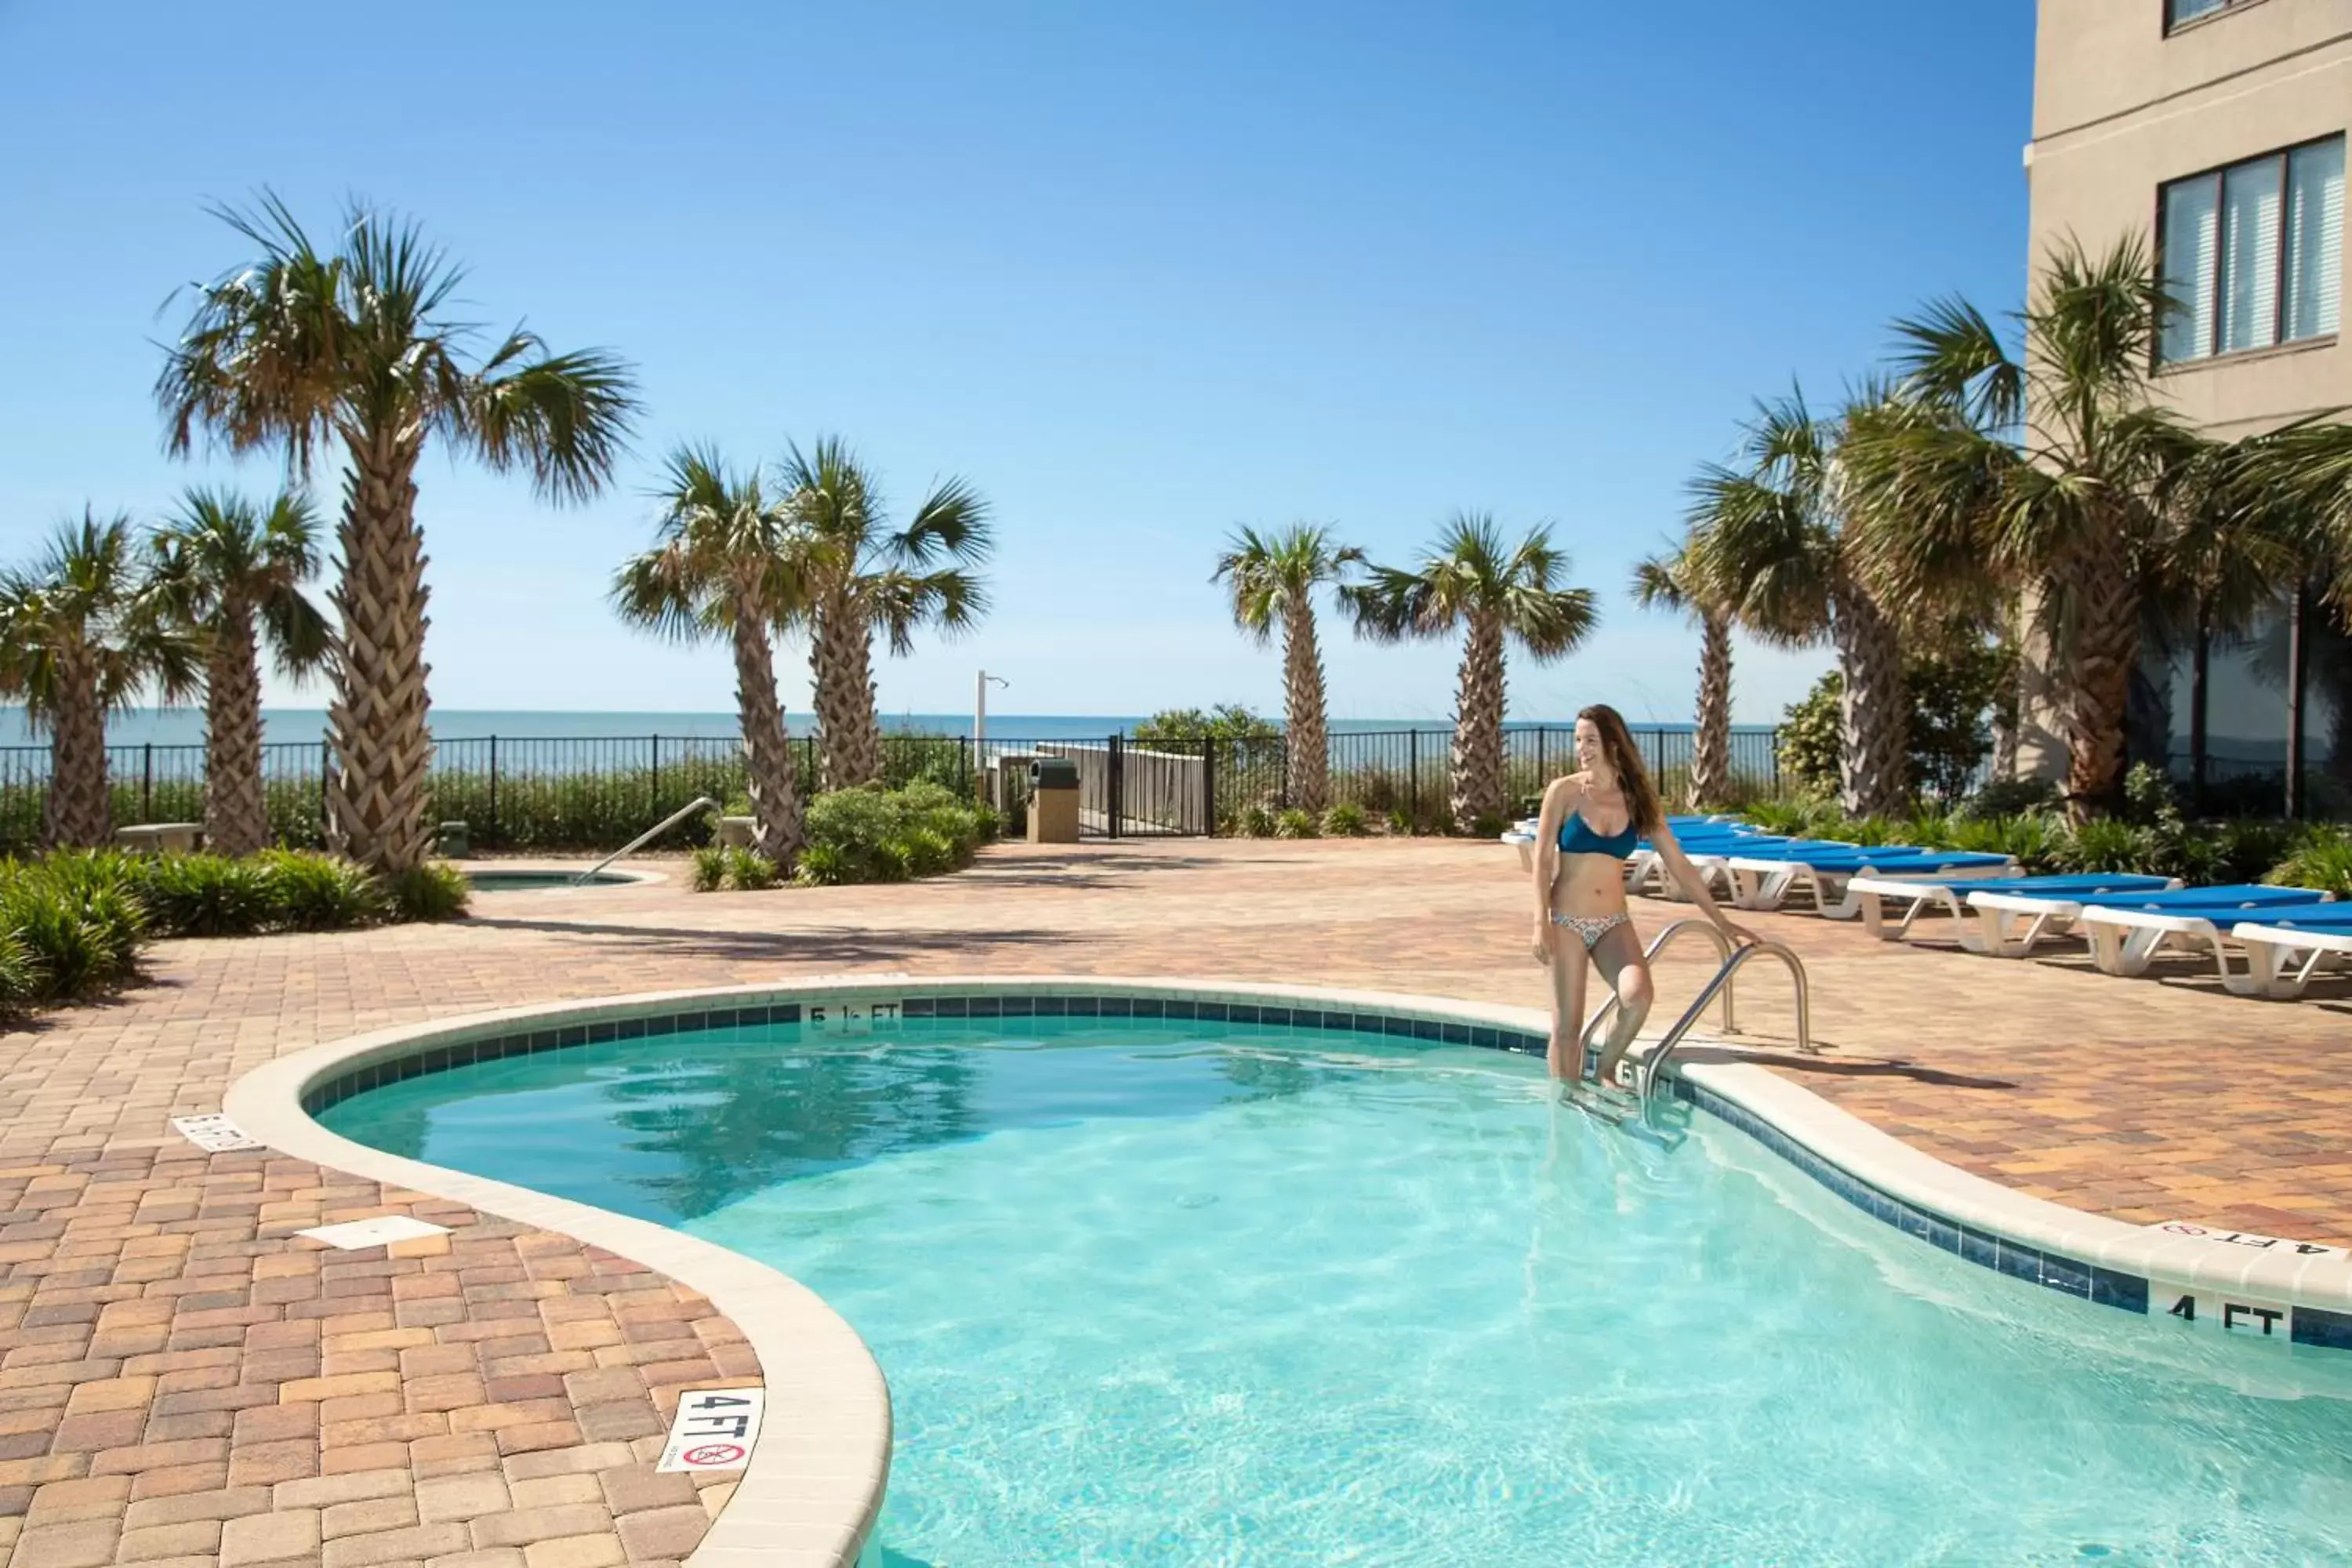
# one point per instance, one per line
(78, 812)
(1711, 776)
(236, 814)
(1308, 747)
(381, 747)
(1874, 714)
(2093, 674)
(841, 657)
(767, 749)
(1478, 762)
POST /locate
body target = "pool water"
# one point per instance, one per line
(533, 882)
(1187, 1293)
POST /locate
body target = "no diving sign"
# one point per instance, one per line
(713, 1430)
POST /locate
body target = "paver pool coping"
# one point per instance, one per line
(815, 1485)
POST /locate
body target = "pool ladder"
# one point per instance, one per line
(1651, 1072)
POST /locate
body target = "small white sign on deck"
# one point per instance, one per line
(383, 1230)
(216, 1133)
(714, 1429)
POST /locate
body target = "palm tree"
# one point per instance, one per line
(2038, 469)
(1498, 594)
(860, 575)
(1678, 581)
(1777, 533)
(1273, 578)
(298, 346)
(723, 567)
(230, 573)
(79, 635)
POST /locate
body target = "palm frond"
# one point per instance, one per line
(566, 417)
(1951, 354)
(1655, 586)
(950, 525)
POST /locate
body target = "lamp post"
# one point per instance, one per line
(979, 730)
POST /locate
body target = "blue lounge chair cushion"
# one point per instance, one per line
(1904, 860)
(2332, 917)
(2206, 903)
(2073, 886)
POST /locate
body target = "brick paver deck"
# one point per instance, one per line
(184, 1383)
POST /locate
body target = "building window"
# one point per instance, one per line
(2253, 254)
(2178, 13)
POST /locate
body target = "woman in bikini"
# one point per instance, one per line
(1589, 822)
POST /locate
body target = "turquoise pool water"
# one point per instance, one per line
(1186, 1293)
(531, 881)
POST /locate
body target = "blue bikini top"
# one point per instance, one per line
(1575, 838)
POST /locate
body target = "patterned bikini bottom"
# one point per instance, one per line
(1592, 927)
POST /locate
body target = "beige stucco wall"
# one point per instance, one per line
(2119, 108)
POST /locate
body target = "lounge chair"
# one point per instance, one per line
(1706, 852)
(2286, 946)
(1916, 896)
(2009, 924)
(2126, 938)
(1764, 880)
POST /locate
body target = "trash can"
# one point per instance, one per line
(454, 842)
(1054, 801)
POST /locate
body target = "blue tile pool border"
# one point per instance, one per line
(2069, 1276)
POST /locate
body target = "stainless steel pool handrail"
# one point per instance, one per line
(1658, 944)
(1652, 1069)
(700, 803)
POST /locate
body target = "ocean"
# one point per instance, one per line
(185, 726)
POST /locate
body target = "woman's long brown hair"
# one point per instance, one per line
(1617, 744)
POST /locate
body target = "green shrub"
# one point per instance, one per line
(1812, 738)
(436, 890)
(2149, 798)
(1787, 817)
(1296, 822)
(206, 895)
(2030, 841)
(1487, 824)
(2105, 845)
(821, 865)
(709, 871)
(874, 835)
(2323, 860)
(929, 852)
(748, 871)
(1257, 822)
(2252, 851)
(1345, 820)
(318, 892)
(72, 922)
(21, 976)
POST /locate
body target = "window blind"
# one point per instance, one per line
(2250, 195)
(2191, 232)
(2315, 239)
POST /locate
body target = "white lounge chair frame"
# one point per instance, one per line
(2281, 960)
(1926, 895)
(2124, 942)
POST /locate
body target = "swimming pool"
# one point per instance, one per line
(1194, 1291)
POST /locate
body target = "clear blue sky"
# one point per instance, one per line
(1140, 272)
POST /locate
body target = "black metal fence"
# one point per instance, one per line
(597, 792)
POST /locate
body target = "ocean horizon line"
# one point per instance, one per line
(183, 726)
